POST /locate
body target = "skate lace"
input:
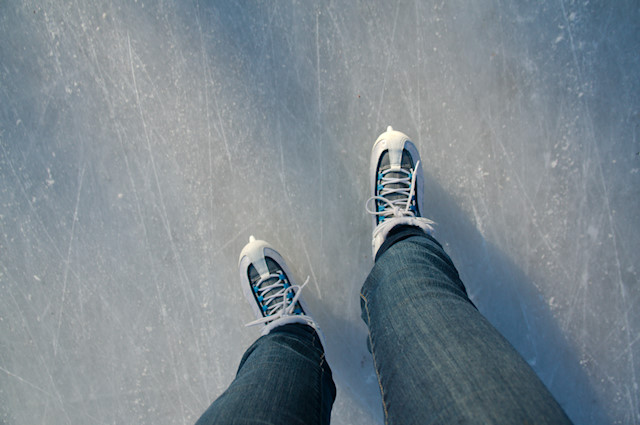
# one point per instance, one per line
(404, 190)
(277, 299)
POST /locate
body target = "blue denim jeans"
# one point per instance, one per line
(437, 359)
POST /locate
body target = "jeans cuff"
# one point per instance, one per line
(397, 234)
(303, 331)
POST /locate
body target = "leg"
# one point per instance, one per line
(437, 358)
(283, 378)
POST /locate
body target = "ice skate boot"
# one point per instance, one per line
(268, 285)
(397, 188)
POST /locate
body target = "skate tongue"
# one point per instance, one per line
(395, 171)
(277, 274)
(272, 267)
(289, 305)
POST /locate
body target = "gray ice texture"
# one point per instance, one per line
(142, 142)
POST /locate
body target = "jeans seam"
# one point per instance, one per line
(375, 365)
(321, 379)
(321, 392)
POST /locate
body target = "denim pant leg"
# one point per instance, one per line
(283, 378)
(437, 358)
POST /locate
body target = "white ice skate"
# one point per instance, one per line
(397, 188)
(266, 281)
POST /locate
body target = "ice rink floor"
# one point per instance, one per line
(142, 142)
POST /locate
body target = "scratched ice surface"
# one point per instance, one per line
(141, 143)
